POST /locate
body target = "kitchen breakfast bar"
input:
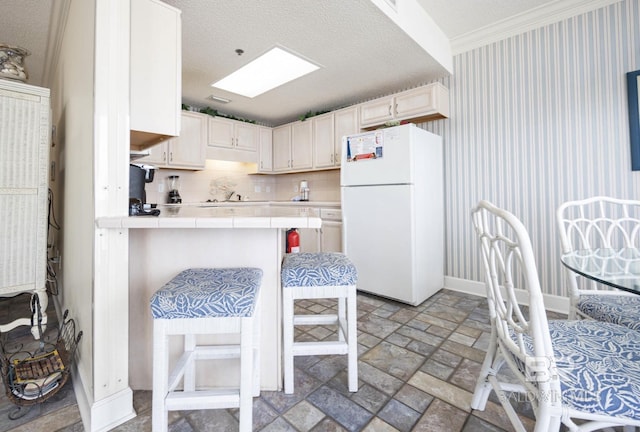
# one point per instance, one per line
(191, 236)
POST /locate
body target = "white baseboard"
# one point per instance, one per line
(551, 302)
(105, 414)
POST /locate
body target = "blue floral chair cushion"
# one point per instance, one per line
(617, 309)
(317, 269)
(208, 292)
(598, 365)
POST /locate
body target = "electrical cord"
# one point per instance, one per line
(52, 280)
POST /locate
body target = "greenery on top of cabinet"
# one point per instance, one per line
(310, 114)
(214, 113)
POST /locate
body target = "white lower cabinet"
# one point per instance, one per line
(331, 236)
(184, 152)
(309, 239)
(327, 238)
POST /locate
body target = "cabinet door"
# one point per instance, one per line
(221, 133)
(246, 136)
(412, 103)
(156, 68)
(301, 145)
(187, 151)
(345, 123)
(157, 155)
(265, 158)
(323, 141)
(331, 237)
(309, 240)
(376, 112)
(282, 148)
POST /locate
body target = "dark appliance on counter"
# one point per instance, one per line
(139, 176)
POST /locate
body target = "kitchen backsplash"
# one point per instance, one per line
(220, 178)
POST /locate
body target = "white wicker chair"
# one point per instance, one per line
(583, 371)
(600, 222)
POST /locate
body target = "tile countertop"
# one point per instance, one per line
(214, 215)
(314, 204)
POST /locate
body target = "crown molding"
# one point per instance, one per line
(535, 18)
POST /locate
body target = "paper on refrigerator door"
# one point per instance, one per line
(365, 146)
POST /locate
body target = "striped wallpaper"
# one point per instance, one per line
(538, 119)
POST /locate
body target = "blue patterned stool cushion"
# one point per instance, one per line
(317, 269)
(623, 310)
(208, 293)
(598, 364)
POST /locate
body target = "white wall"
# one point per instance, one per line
(198, 186)
(536, 120)
(72, 116)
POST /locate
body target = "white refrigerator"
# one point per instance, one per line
(391, 183)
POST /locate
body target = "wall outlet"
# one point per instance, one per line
(160, 187)
(257, 189)
(268, 189)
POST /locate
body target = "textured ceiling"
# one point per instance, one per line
(363, 54)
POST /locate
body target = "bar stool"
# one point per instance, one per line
(197, 302)
(315, 276)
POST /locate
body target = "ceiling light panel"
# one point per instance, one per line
(272, 69)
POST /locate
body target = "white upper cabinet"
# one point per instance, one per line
(292, 147)
(156, 77)
(265, 149)
(301, 145)
(424, 103)
(323, 141)
(282, 148)
(186, 151)
(232, 134)
(346, 122)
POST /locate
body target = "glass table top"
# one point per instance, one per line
(618, 268)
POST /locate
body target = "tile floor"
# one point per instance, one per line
(417, 371)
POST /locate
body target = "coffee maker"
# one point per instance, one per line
(139, 176)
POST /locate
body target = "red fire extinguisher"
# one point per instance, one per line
(293, 241)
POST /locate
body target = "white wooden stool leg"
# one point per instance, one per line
(246, 375)
(352, 339)
(190, 367)
(159, 411)
(256, 351)
(342, 315)
(288, 332)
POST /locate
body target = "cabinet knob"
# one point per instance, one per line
(164, 156)
(170, 156)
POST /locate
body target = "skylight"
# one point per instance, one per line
(270, 70)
